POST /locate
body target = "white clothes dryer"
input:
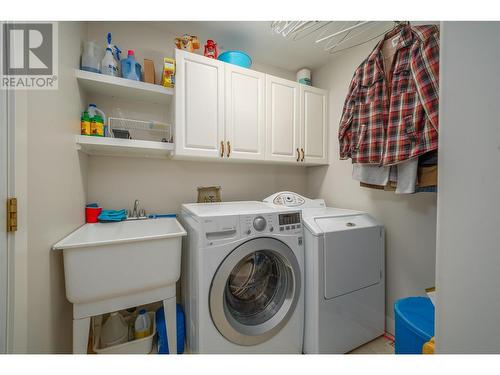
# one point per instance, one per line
(242, 282)
(344, 275)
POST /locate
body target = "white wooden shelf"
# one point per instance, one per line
(105, 146)
(123, 88)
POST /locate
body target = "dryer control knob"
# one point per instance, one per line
(259, 223)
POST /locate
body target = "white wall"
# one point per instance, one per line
(410, 220)
(163, 185)
(468, 246)
(56, 196)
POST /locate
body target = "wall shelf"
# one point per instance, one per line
(123, 88)
(105, 146)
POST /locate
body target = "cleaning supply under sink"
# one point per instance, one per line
(131, 69)
(112, 215)
(142, 325)
(114, 330)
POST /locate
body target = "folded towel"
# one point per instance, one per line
(112, 215)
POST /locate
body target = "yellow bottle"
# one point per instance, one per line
(85, 123)
(97, 126)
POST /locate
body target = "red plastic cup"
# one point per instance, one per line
(91, 214)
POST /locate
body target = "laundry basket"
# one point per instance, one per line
(414, 324)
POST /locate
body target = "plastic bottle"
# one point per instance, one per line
(85, 123)
(114, 330)
(116, 54)
(93, 111)
(142, 326)
(131, 69)
(97, 126)
(109, 65)
(91, 57)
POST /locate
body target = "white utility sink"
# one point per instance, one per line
(107, 260)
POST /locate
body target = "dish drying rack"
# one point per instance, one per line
(125, 128)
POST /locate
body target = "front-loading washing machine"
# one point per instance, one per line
(344, 275)
(242, 283)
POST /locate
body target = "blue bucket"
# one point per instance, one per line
(236, 58)
(414, 324)
(161, 328)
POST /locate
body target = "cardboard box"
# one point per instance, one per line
(149, 71)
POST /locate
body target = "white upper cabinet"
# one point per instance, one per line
(282, 120)
(245, 113)
(199, 106)
(313, 125)
(226, 112)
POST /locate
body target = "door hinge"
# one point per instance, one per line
(11, 214)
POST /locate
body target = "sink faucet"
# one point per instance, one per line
(137, 212)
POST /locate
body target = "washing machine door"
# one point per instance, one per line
(255, 291)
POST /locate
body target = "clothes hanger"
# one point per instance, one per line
(398, 25)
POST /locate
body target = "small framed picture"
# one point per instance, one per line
(209, 194)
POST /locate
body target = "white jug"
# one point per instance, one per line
(92, 56)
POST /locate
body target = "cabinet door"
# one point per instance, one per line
(314, 125)
(282, 119)
(245, 117)
(199, 106)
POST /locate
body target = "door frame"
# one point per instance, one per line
(16, 337)
(4, 268)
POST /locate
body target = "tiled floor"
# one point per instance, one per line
(381, 345)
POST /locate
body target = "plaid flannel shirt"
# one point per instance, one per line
(384, 122)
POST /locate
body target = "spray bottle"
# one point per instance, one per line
(109, 65)
(112, 52)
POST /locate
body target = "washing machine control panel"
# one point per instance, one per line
(291, 199)
(279, 223)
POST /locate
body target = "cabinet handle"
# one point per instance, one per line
(298, 154)
(228, 149)
(221, 149)
(303, 154)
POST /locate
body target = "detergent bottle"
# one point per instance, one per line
(142, 326)
(131, 69)
(93, 111)
(97, 126)
(91, 57)
(85, 123)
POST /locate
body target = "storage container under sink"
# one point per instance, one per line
(108, 260)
